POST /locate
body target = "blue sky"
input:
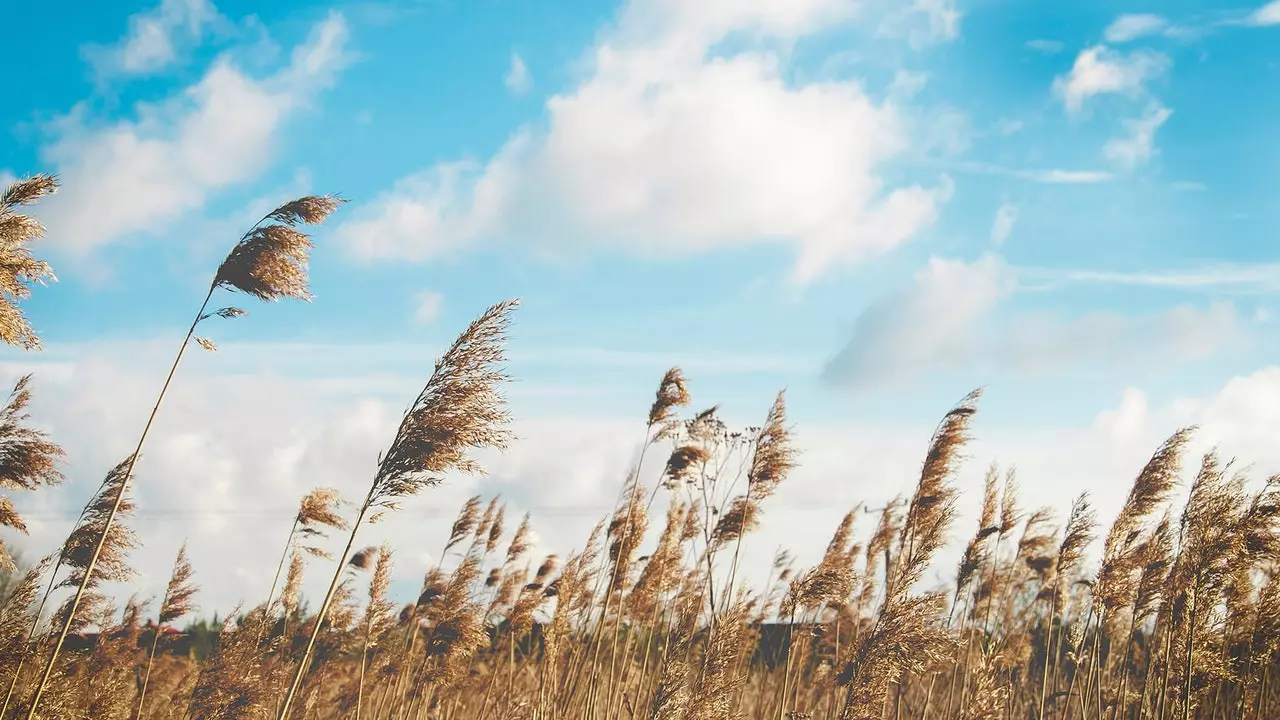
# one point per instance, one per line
(877, 205)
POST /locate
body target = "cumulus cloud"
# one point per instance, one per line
(956, 317)
(518, 80)
(1002, 225)
(1099, 70)
(1127, 28)
(137, 175)
(156, 38)
(1137, 147)
(665, 149)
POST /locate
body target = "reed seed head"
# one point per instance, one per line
(270, 261)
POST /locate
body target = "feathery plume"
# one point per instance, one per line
(28, 460)
(495, 529)
(18, 269)
(774, 454)
(990, 502)
(671, 394)
(318, 511)
(459, 410)
(179, 592)
(362, 559)
(1010, 516)
(1081, 524)
(292, 592)
(465, 523)
(270, 261)
(177, 602)
(16, 614)
(1113, 586)
(112, 564)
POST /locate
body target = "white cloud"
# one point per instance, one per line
(956, 317)
(1136, 148)
(430, 212)
(1048, 47)
(1268, 14)
(153, 40)
(137, 175)
(664, 149)
(1002, 225)
(427, 306)
(1131, 27)
(1128, 422)
(1236, 419)
(518, 80)
(1100, 70)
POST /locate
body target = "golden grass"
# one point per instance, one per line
(1178, 618)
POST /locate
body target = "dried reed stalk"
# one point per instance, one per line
(269, 262)
(459, 410)
(177, 602)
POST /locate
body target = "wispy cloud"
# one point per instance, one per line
(427, 306)
(1064, 177)
(1002, 225)
(1048, 47)
(1137, 147)
(1099, 70)
(518, 80)
(1256, 278)
(1046, 176)
(1268, 14)
(156, 38)
(1127, 28)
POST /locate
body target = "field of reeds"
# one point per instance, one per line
(1170, 609)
